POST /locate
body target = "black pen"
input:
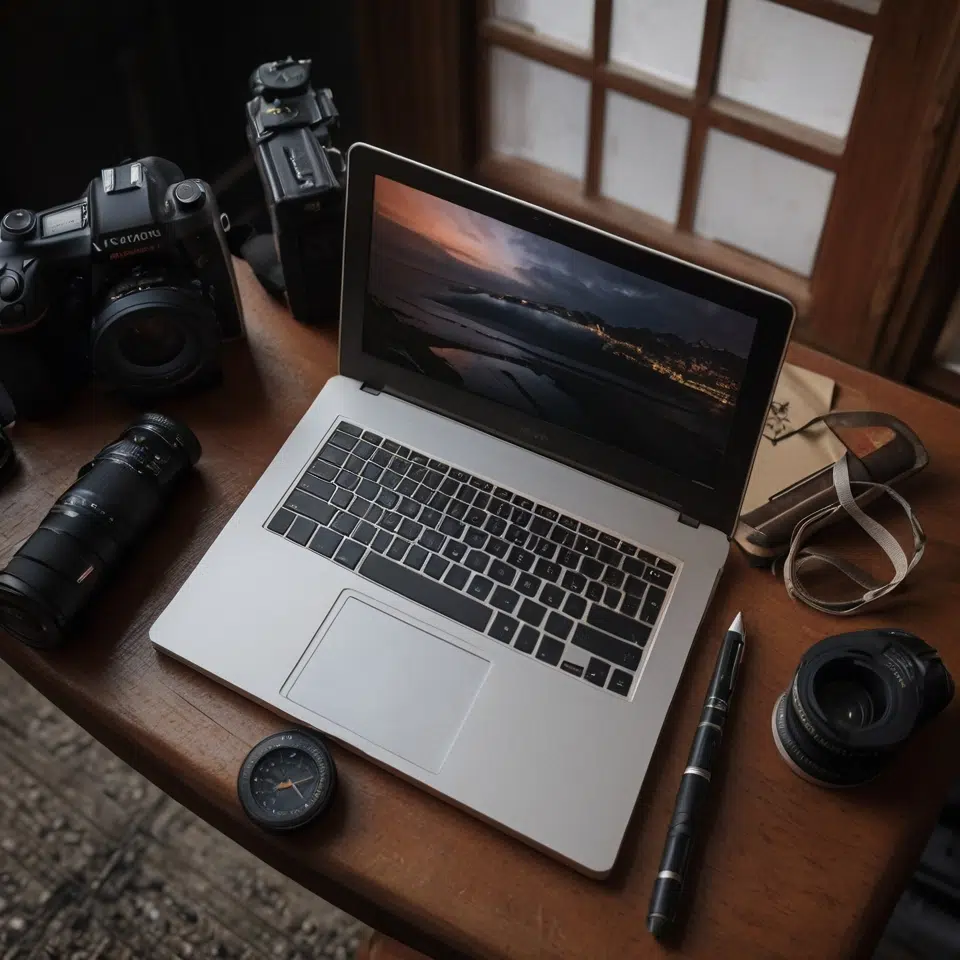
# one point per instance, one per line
(695, 784)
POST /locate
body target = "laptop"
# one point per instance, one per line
(482, 556)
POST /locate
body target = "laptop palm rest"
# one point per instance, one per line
(391, 682)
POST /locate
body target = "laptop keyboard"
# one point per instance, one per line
(571, 596)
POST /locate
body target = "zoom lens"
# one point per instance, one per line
(117, 495)
(854, 699)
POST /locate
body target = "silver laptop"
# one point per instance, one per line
(483, 554)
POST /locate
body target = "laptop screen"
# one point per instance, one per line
(522, 320)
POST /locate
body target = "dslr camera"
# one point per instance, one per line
(132, 283)
(289, 129)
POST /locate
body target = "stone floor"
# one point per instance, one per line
(95, 862)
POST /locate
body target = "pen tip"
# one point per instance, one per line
(737, 625)
(657, 925)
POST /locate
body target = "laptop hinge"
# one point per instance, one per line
(688, 521)
(370, 388)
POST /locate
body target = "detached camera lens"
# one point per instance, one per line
(52, 577)
(854, 699)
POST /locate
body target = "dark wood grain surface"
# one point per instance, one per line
(788, 870)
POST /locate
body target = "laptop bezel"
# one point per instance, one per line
(716, 505)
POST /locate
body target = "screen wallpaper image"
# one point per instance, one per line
(516, 318)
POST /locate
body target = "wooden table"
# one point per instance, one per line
(789, 870)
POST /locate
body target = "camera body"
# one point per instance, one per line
(289, 130)
(132, 283)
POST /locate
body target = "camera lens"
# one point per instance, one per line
(151, 340)
(79, 543)
(854, 699)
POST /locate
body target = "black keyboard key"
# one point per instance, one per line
(620, 626)
(359, 507)
(416, 556)
(466, 494)
(350, 428)
(540, 526)
(588, 531)
(550, 650)
(349, 554)
(528, 584)
(620, 682)
(449, 487)
(371, 472)
(364, 533)
(435, 567)
(542, 511)
(588, 547)
(575, 606)
(326, 542)
(590, 568)
(301, 530)
(597, 671)
(527, 639)
(522, 559)
(475, 538)
(630, 606)
(388, 499)
(621, 653)
(407, 487)
(480, 587)
(457, 509)
(457, 576)
(409, 508)
(516, 534)
(564, 537)
(363, 450)
(403, 451)
(423, 494)
(505, 599)
(558, 625)
(652, 605)
(521, 517)
(495, 525)
(609, 556)
(342, 498)
(501, 572)
(439, 501)
(390, 521)
(628, 549)
(608, 540)
(323, 489)
(545, 548)
(432, 479)
(438, 466)
(416, 473)
(646, 556)
(667, 565)
(657, 576)
(477, 560)
(430, 517)
(391, 446)
(612, 577)
(503, 628)
(354, 464)
(323, 470)
(568, 558)
(334, 455)
(381, 541)
(311, 507)
(451, 528)
(419, 458)
(368, 489)
(372, 437)
(595, 591)
(432, 540)
(483, 485)
(374, 513)
(455, 550)
(574, 581)
(423, 590)
(409, 529)
(532, 613)
(633, 566)
(460, 476)
(548, 570)
(475, 517)
(281, 521)
(568, 666)
(635, 587)
(500, 508)
(397, 549)
(344, 523)
(347, 480)
(567, 522)
(390, 479)
(503, 493)
(523, 502)
(612, 598)
(552, 595)
(497, 548)
(380, 457)
(343, 440)
(481, 501)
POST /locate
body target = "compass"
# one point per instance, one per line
(287, 780)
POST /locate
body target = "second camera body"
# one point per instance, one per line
(132, 283)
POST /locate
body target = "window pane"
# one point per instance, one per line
(538, 113)
(569, 20)
(644, 149)
(792, 64)
(661, 37)
(762, 201)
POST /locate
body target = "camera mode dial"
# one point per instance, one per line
(189, 195)
(17, 223)
(283, 78)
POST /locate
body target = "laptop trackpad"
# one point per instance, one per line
(391, 682)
